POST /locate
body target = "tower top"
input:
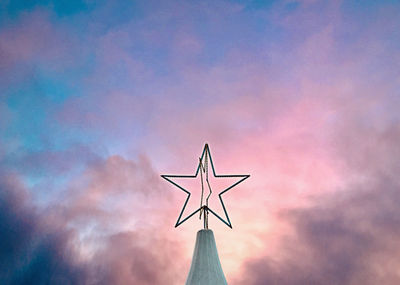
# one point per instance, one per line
(206, 267)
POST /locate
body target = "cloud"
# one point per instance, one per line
(119, 207)
(34, 38)
(347, 237)
(139, 258)
(29, 251)
(109, 230)
(52, 162)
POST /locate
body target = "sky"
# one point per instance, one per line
(99, 98)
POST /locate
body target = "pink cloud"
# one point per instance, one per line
(34, 38)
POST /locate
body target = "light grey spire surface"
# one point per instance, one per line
(206, 268)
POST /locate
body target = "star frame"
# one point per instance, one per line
(206, 151)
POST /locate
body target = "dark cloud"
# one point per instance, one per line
(46, 246)
(351, 240)
(31, 253)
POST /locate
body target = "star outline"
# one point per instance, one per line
(227, 221)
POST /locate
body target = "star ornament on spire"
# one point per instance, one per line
(202, 170)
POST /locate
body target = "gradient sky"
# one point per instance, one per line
(98, 98)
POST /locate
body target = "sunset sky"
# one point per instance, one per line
(99, 98)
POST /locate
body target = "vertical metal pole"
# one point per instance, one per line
(205, 209)
(205, 218)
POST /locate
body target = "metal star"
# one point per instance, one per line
(204, 209)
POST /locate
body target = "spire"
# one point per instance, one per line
(206, 268)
